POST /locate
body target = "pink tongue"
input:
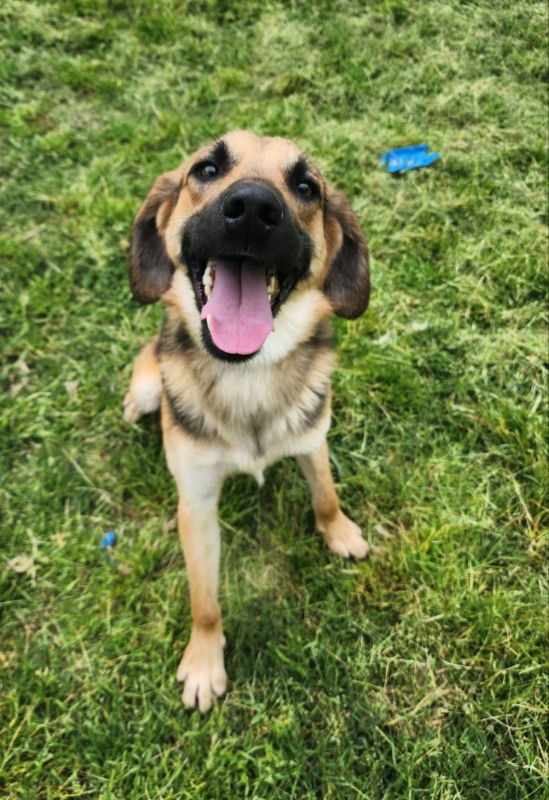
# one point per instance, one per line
(238, 307)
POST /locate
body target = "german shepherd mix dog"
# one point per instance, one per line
(251, 252)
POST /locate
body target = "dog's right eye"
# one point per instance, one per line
(205, 170)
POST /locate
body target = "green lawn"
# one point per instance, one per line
(416, 675)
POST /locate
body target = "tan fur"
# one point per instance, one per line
(219, 418)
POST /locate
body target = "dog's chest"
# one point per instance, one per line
(246, 418)
(255, 414)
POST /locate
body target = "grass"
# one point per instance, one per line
(418, 674)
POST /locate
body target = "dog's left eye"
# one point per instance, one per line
(205, 170)
(307, 189)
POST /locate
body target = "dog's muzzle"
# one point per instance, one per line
(244, 253)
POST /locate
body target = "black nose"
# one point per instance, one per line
(253, 209)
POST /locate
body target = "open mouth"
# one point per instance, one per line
(239, 297)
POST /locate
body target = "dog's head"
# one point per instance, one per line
(251, 224)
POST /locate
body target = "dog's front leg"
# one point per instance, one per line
(339, 532)
(201, 668)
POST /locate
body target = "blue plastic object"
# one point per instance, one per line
(108, 540)
(403, 158)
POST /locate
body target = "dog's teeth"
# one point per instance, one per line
(272, 287)
(208, 280)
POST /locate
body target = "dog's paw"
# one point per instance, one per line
(143, 397)
(132, 412)
(345, 538)
(202, 671)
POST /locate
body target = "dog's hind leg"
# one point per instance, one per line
(339, 532)
(145, 390)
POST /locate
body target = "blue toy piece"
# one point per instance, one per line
(108, 540)
(404, 158)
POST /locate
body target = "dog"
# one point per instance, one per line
(251, 251)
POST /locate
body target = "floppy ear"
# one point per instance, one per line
(150, 269)
(347, 283)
